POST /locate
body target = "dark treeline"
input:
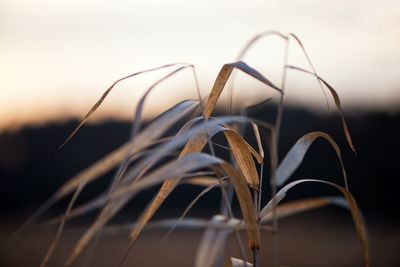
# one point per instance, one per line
(31, 167)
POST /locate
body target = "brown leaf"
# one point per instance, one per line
(105, 94)
(297, 206)
(243, 157)
(122, 194)
(195, 144)
(141, 141)
(223, 77)
(258, 139)
(246, 204)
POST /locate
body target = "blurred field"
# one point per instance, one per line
(314, 239)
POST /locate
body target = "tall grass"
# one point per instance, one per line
(148, 159)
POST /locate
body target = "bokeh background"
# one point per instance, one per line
(58, 57)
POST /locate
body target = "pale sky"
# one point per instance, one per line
(57, 57)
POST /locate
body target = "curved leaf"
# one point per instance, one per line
(299, 206)
(356, 215)
(243, 157)
(122, 194)
(246, 204)
(223, 77)
(337, 103)
(296, 155)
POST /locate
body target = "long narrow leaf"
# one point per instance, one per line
(243, 157)
(195, 144)
(222, 79)
(296, 155)
(105, 94)
(299, 206)
(337, 103)
(122, 194)
(356, 214)
(246, 204)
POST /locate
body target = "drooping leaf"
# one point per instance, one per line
(192, 203)
(246, 204)
(356, 214)
(105, 94)
(337, 103)
(122, 194)
(158, 127)
(186, 223)
(153, 131)
(223, 77)
(243, 157)
(296, 155)
(298, 206)
(195, 144)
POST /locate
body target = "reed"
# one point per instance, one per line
(149, 159)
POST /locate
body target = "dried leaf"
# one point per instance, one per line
(192, 203)
(153, 131)
(358, 219)
(141, 141)
(122, 194)
(187, 223)
(258, 37)
(243, 157)
(201, 181)
(223, 77)
(337, 103)
(246, 204)
(103, 97)
(258, 139)
(299, 206)
(296, 155)
(195, 144)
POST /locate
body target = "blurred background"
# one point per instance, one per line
(58, 57)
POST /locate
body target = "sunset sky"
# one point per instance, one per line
(57, 57)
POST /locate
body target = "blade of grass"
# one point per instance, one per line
(298, 206)
(356, 214)
(105, 94)
(158, 127)
(337, 103)
(223, 77)
(310, 63)
(204, 181)
(243, 157)
(122, 195)
(256, 131)
(296, 155)
(192, 203)
(195, 144)
(246, 204)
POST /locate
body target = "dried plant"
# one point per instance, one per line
(147, 160)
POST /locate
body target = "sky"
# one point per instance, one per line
(57, 57)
